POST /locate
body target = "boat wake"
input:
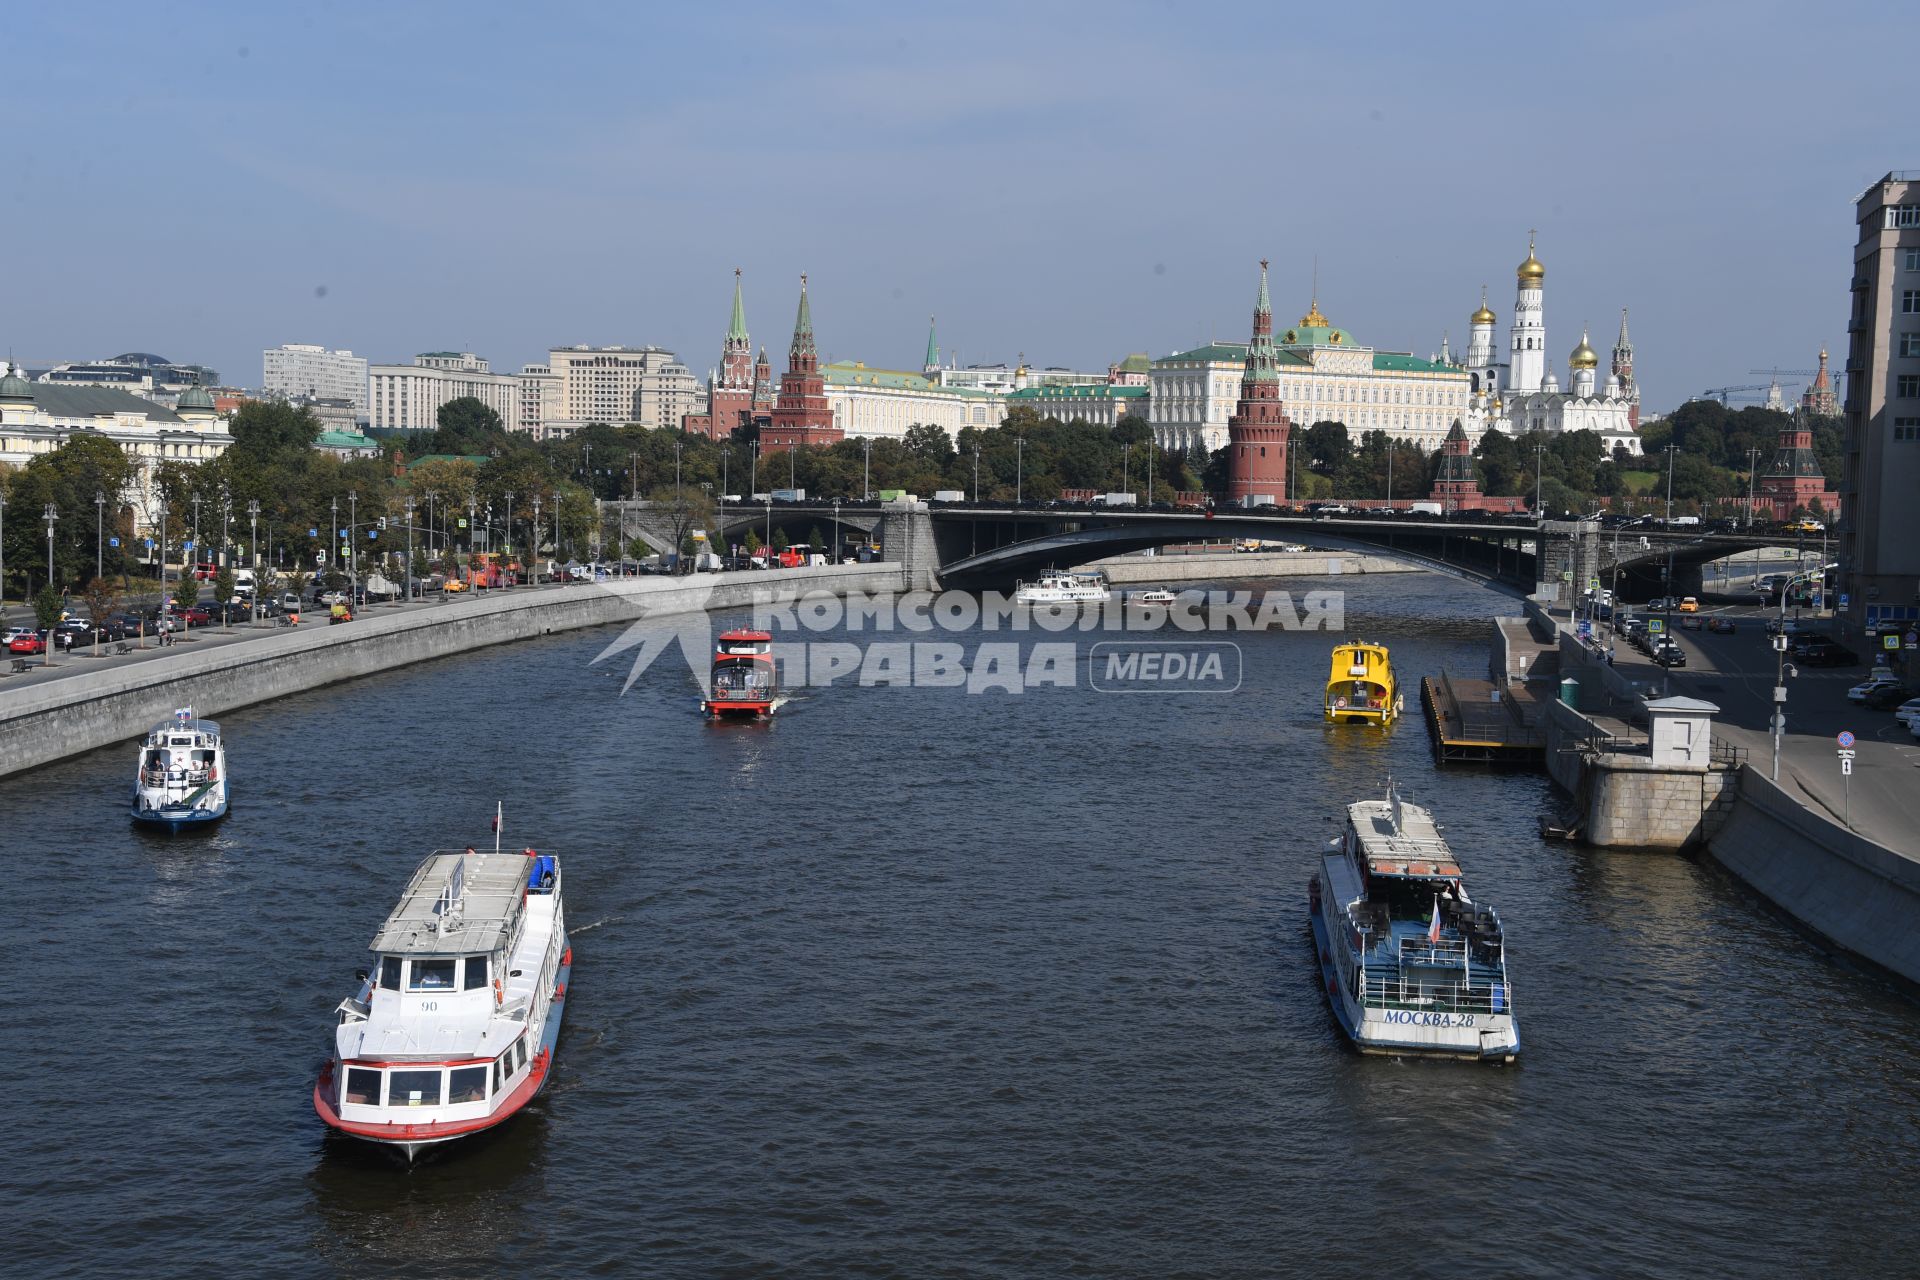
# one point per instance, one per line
(582, 928)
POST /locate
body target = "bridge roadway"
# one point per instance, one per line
(985, 543)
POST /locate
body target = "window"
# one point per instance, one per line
(468, 1084)
(1910, 302)
(430, 975)
(1903, 215)
(390, 972)
(1907, 386)
(1911, 259)
(416, 1089)
(1906, 430)
(363, 1087)
(476, 972)
(1910, 344)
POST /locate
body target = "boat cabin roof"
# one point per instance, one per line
(457, 904)
(1400, 839)
(169, 726)
(745, 636)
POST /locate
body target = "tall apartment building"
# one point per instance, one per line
(1880, 525)
(407, 397)
(304, 369)
(539, 399)
(603, 384)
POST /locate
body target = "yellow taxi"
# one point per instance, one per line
(1689, 605)
(452, 585)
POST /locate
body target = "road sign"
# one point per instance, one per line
(1891, 640)
(1566, 575)
(186, 544)
(1913, 640)
(1844, 598)
(1846, 738)
(113, 542)
(1656, 625)
(313, 533)
(1846, 768)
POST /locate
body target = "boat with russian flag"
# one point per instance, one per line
(454, 1028)
(1410, 964)
(181, 780)
(744, 682)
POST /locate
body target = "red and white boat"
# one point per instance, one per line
(744, 682)
(455, 1027)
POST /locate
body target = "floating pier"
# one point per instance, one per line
(1479, 722)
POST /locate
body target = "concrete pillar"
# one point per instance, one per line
(906, 538)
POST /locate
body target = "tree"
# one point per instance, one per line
(223, 589)
(1325, 447)
(753, 543)
(265, 430)
(468, 425)
(930, 444)
(681, 510)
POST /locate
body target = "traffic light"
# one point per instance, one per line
(383, 522)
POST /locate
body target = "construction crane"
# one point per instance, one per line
(1725, 394)
(1835, 375)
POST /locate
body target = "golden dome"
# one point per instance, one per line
(1532, 271)
(1484, 315)
(1313, 319)
(1583, 356)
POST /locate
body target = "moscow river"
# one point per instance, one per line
(916, 983)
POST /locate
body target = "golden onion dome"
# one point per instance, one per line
(1313, 319)
(1583, 356)
(1484, 315)
(1532, 271)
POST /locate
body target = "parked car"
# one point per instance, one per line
(1860, 691)
(1721, 625)
(28, 642)
(198, 615)
(1907, 710)
(1670, 655)
(1888, 699)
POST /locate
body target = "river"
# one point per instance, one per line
(913, 982)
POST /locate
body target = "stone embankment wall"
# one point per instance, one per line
(1850, 890)
(46, 722)
(1209, 567)
(1624, 799)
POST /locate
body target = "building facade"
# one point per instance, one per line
(603, 384)
(668, 395)
(1880, 534)
(36, 418)
(407, 397)
(538, 399)
(1102, 406)
(730, 387)
(1324, 376)
(882, 403)
(305, 369)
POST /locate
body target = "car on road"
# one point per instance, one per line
(1669, 654)
(1688, 604)
(1860, 691)
(198, 615)
(1721, 625)
(11, 632)
(1907, 710)
(1692, 622)
(1828, 654)
(28, 642)
(1784, 627)
(1889, 699)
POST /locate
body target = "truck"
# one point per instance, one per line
(789, 495)
(1251, 500)
(949, 495)
(1423, 508)
(1116, 500)
(380, 587)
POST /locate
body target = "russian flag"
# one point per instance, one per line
(1433, 930)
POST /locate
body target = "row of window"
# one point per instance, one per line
(432, 1086)
(1900, 216)
(1906, 430)
(436, 974)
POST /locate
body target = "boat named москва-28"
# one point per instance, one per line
(1409, 963)
(455, 1028)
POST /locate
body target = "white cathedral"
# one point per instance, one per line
(1521, 393)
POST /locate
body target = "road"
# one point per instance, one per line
(1736, 673)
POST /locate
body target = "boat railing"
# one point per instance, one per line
(1383, 992)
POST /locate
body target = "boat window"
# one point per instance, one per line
(430, 975)
(363, 1086)
(476, 972)
(468, 1084)
(520, 1052)
(390, 972)
(416, 1089)
(500, 1073)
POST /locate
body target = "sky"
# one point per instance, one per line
(1072, 182)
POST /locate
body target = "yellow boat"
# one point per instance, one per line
(1360, 685)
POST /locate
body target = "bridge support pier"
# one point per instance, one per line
(1568, 559)
(906, 537)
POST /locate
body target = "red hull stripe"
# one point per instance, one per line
(395, 1132)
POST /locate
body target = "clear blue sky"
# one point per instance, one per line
(1071, 181)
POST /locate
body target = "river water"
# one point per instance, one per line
(917, 983)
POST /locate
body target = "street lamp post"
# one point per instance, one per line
(253, 551)
(533, 534)
(196, 524)
(53, 514)
(976, 472)
(3, 551)
(866, 473)
(1019, 469)
(1753, 465)
(1539, 476)
(1671, 451)
(836, 530)
(507, 525)
(409, 571)
(99, 535)
(353, 548)
(753, 470)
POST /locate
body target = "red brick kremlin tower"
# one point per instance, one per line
(1258, 430)
(801, 414)
(730, 396)
(1794, 479)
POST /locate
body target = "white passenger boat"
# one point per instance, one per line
(1064, 588)
(455, 1027)
(181, 780)
(1410, 964)
(1158, 596)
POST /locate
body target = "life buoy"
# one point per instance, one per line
(498, 999)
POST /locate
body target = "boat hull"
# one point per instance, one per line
(1471, 1037)
(737, 708)
(178, 818)
(411, 1139)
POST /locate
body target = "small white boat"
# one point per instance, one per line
(454, 1029)
(1156, 597)
(1410, 965)
(1064, 588)
(181, 780)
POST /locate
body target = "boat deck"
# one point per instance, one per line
(488, 889)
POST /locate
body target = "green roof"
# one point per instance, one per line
(851, 373)
(1101, 392)
(1396, 362)
(1138, 362)
(477, 459)
(1212, 352)
(343, 440)
(441, 355)
(737, 326)
(1315, 335)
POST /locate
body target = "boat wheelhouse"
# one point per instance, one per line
(1360, 685)
(744, 680)
(454, 1028)
(1052, 587)
(1410, 964)
(181, 780)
